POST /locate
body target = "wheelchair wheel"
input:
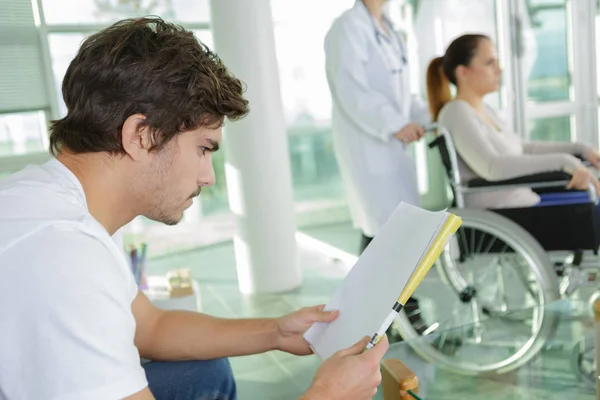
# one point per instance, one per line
(479, 310)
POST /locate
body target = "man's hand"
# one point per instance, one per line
(581, 179)
(350, 374)
(410, 133)
(291, 327)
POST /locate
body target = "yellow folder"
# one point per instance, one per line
(450, 227)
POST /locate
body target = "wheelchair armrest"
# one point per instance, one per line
(535, 181)
(545, 179)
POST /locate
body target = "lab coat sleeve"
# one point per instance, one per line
(419, 111)
(345, 56)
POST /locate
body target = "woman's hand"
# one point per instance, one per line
(594, 158)
(581, 179)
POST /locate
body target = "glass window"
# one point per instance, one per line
(63, 48)
(315, 173)
(106, 11)
(22, 133)
(550, 77)
(206, 37)
(556, 129)
(307, 102)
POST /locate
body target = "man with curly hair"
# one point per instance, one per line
(146, 102)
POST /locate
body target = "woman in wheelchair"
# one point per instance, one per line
(486, 147)
(484, 307)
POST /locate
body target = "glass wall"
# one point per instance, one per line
(318, 190)
(550, 81)
(22, 133)
(300, 27)
(550, 77)
(103, 12)
(557, 129)
(318, 193)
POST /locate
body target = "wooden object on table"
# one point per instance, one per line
(180, 283)
(397, 379)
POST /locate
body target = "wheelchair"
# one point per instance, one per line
(482, 305)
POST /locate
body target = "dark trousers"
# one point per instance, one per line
(191, 380)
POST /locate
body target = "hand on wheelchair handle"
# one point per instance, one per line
(410, 133)
(581, 179)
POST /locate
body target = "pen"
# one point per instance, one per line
(450, 227)
(386, 324)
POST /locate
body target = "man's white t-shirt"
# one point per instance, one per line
(66, 325)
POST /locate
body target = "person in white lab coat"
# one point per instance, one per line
(375, 116)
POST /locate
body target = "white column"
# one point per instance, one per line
(256, 151)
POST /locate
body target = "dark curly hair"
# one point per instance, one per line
(145, 66)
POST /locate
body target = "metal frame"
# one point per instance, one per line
(582, 105)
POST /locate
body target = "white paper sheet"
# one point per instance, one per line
(372, 286)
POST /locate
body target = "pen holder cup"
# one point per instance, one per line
(138, 269)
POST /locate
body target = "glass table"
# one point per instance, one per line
(564, 368)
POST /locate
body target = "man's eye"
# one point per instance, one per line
(203, 150)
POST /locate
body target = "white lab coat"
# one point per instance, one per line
(370, 104)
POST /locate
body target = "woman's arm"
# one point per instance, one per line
(474, 147)
(574, 148)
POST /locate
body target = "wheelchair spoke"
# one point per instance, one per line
(481, 240)
(501, 287)
(472, 247)
(477, 328)
(414, 313)
(489, 246)
(483, 272)
(463, 239)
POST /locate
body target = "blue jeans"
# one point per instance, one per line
(191, 380)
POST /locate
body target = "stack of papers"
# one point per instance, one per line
(407, 245)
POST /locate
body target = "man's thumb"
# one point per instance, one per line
(357, 348)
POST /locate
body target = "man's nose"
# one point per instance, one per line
(208, 179)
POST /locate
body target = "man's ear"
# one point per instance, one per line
(135, 137)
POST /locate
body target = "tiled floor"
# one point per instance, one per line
(274, 375)
(277, 375)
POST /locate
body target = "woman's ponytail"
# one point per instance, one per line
(438, 87)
